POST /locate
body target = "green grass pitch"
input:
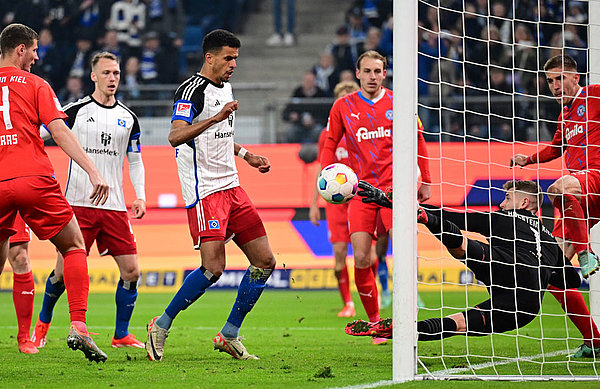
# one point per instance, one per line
(296, 334)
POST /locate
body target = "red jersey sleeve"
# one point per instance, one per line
(48, 105)
(335, 131)
(422, 155)
(553, 151)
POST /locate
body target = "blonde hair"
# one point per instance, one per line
(103, 54)
(371, 54)
(345, 86)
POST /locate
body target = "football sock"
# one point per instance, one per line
(77, 283)
(382, 272)
(54, 289)
(125, 298)
(367, 290)
(344, 284)
(194, 286)
(575, 227)
(574, 305)
(251, 287)
(436, 328)
(444, 230)
(23, 295)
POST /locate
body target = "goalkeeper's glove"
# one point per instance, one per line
(372, 194)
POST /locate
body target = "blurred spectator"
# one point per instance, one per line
(309, 87)
(344, 54)
(375, 11)
(79, 62)
(72, 91)
(59, 19)
(500, 18)
(128, 18)
(576, 13)
(157, 64)
(525, 60)
(167, 17)
(50, 64)
(371, 42)
(357, 27)
(279, 38)
(347, 75)
(91, 17)
(131, 79)
(31, 13)
(326, 74)
(305, 130)
(111, 44)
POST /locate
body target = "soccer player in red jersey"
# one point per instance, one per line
(364, 118)
(26, 181)
(337, 215)
(577, 194)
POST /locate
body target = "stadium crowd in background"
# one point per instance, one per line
(152, 31)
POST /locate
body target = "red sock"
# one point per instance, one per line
(367, 290)
(77, 283)
(573, 221)
(573, 303)
(344, 285)
(23, 294)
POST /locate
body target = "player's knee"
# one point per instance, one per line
(362, 259)
(131, 275)
(266, 262)
(20, 262)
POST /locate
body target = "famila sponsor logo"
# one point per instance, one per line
(379, 132)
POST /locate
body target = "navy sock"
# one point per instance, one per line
(382, 272)
(194, 286)
(125, 298)
(251, 287)
(54, 289)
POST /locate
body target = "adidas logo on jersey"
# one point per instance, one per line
(217, 103)
(380, 132)
(91, 120)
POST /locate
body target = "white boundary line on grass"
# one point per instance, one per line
(448, 372)
(442, 373)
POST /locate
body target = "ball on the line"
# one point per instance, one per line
(337, 183)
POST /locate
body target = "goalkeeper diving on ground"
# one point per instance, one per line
(518, 262)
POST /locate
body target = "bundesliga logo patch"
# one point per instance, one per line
(183, 109)
(213, 225)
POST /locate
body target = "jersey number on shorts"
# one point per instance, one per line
(5, 107)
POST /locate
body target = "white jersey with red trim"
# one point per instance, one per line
(206, 164)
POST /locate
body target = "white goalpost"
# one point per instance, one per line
(483, 100)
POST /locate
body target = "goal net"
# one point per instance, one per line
(482, 98)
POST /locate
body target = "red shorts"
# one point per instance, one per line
(110, 229)
(590, 201)
(362, 217)
(40, 202)
(225, 214)
(23, 234)
(337, 222)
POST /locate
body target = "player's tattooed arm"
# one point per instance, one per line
(183, 132)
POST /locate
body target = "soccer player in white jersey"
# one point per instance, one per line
(108, 131)
(218, 209)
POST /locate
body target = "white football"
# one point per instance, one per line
(337, 183)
